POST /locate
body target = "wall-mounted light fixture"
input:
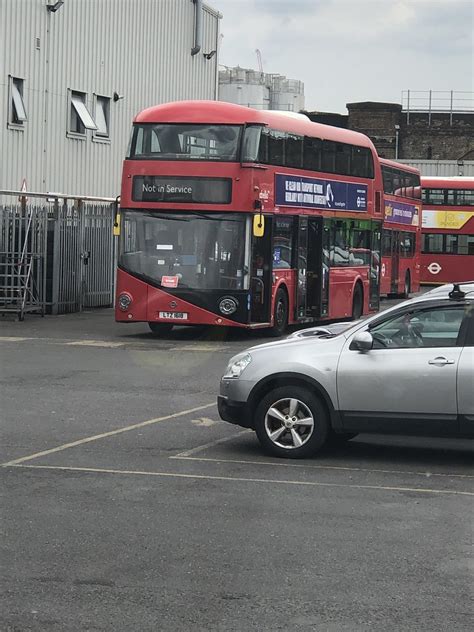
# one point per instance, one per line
(210, 55)
(52, 8)
(397, 140)
(116, 96)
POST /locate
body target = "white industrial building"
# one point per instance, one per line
(73, 74)
(260, 90)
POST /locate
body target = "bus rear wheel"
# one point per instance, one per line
(357, 302)
(280, 314)
(407, 286)
(160, 329)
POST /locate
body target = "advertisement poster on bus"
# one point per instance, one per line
(402, 213)
(316, 193)
(453, 220)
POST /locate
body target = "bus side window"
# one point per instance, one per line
(276, 147)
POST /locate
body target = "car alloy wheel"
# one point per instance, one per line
(291, 422)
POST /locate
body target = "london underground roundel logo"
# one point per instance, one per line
(434, 268)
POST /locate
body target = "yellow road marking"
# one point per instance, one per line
(103, 435)
(186, 457)
(239, 479)
(14, 338)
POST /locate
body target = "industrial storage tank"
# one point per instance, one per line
(244, 87)
(286, 94)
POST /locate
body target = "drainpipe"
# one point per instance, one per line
(197, 27)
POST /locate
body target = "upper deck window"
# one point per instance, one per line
(174, 141)
(399, 182)
(284, 149)
(449, 197)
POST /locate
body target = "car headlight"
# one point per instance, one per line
(237, 365)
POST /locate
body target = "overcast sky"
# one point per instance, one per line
(353, 50)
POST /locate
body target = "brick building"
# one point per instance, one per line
(402, 134)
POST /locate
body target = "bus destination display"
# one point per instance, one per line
(182, 189)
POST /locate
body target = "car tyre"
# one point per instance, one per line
(160, 329)
(275, 422)
(280, 314)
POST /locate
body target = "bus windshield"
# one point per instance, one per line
(197, 251)
(176, 141)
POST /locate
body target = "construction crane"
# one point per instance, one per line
(259, 59)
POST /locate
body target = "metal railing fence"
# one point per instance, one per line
(437, 101)
(59, 252)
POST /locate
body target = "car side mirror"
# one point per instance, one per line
(362, 341)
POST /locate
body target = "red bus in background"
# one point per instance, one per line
(447, 230)
(238, 217)
(401, 234)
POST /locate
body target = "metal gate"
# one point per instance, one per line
(83, 255)
(56, 255)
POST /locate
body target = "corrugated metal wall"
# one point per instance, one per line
(442, 167)
(137, 48)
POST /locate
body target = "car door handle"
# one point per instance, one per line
(440, 361)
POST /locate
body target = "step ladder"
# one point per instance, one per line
(19, 261)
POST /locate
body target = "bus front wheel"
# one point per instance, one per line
(160, 329)
(280, 314)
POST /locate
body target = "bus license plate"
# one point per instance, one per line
(174, 315)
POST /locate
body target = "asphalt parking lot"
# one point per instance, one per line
(128, 505)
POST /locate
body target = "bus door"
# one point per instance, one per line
(261, 276)
(395, 261)
(312, 282)
(375, 265)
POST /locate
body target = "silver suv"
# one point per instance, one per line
(407, 370)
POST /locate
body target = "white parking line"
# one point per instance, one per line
(103, 435)
(239, 479)
(210, 348)
(185, 456)
(112, 344)
(200, 448)
(106, 344)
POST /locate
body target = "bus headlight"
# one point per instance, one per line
(124, 301)
(228, 305)
(237, 365)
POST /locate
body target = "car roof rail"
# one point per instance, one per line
(456, 293)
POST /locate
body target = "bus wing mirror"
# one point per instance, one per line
(258, 225)
(117, 217)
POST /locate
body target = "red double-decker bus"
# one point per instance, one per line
(447, 230)
(401, 235)
(238, 217)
